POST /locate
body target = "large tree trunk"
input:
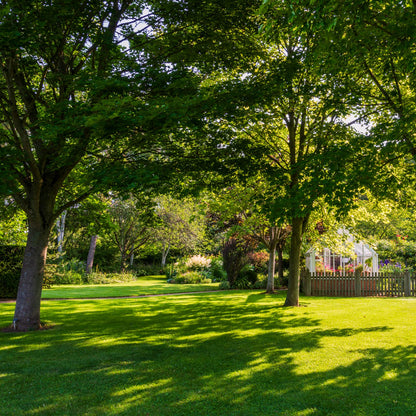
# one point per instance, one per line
(27, 311)
(91, 253)
(292, 298)
(271, 270)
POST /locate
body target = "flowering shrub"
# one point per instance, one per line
(319, 267)
(387, 266)
(198, 262)
(260, 261)
(196, 269)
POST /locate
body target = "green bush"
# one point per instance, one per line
(282, 282)
(402, 252)
(216, 271)
(189, 277)
(171, 272)
(146, 269)
(65, 277)
(241, 283)
(248, 273)
(224, 285)
(261, 283)
(11, 258)
(98, 278)
(65, 272)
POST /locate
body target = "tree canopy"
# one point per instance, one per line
(88, 90)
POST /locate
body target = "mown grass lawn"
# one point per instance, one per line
(148, 285)
(223, 353)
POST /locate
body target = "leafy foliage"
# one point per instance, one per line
(109, 278)
(235, 257)
(191, 277)
(179, 225)
(10, 267)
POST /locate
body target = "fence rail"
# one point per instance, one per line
(350, 284)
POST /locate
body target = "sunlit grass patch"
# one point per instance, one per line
(224, 353)
(148, 285)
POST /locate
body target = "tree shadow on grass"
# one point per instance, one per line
(198, 356)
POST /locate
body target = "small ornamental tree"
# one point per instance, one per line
(131, 227)
(246, 209)
(178, 226)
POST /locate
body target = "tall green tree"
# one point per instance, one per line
(308, 148)
(374, 42)
(86, 88)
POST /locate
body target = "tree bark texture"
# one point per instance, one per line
(292, 297)
(165, 252)
(27, 311)
(60, 227)
(279, 250)
(271, 270)
(91, 253)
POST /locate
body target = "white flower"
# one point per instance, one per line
(198, 262)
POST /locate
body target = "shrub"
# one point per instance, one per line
(224, 285)
(107, 278)
(235, 258)
(197, 263)
(171, 272)
(248, 273)
(189, 277)
(259, 260)
(65, 272)
(216, 272)
(241, 283)
(146, 269)
(282, 282)
(58, 277)
(11, 258)
(261, 283)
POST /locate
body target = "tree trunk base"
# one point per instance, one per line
(25, 328)
(288, 302)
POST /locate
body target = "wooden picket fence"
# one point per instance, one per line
(350, 284)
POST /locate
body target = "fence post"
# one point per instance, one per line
(307, 283)
(407, 283)
(357, 284)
